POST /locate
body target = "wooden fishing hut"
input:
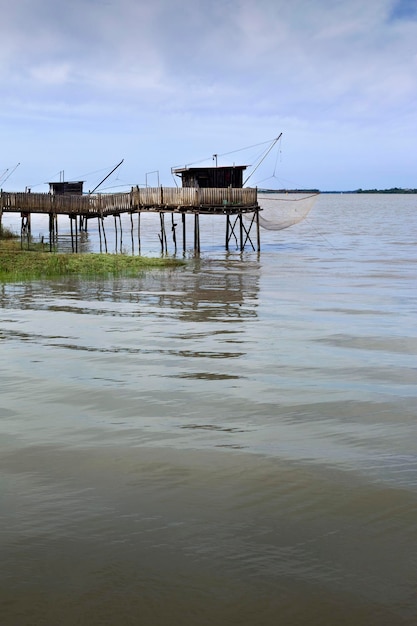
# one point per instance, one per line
(234, 203)
(67, 188)
(211, 177)
(214, 191)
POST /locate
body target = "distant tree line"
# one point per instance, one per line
(392, 190)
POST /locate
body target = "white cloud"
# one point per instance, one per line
(116, 65)
(52, 73)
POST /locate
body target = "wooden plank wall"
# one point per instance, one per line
(148, 198)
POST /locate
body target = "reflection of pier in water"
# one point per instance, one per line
(218, 291)
(209, 291)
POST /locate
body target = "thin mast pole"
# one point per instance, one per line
(106, 177)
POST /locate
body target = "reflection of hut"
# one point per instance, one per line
(68, 188)
(220, 177)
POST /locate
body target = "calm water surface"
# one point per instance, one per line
(231, 442)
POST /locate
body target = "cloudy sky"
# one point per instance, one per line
(163, 83)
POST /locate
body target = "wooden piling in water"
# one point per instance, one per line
(76, 234)
(163, 235)
(104, 233)
(174, 236)
(99, 233)
(72, 232)
(184, 233)
(115, 233)
(131, 233)
(197, 233)
(121, 234)
(258, 232)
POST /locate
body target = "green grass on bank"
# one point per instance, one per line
(6, 233)
(18, 265)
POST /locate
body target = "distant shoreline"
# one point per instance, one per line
(392, 190)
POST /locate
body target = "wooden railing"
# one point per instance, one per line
(156, 198)
(194, 197)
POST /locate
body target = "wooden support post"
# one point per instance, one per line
(138, 227)
(258, 233)
(76, 234)
(24, 229)
(173, 227)
(161, 239)
(197, 233)
(115, 234)
(241, 231)
(99, 234)
(227, 231)
(131, 232)
(184, 234)
(121, 234)
(72, 232)
(51, 230)
(163, 236)
(26, 223)
(21, 231)
(104, 233)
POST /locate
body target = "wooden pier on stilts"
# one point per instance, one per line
(237, 205)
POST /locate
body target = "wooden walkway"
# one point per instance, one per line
(229, 202)
(187, 199)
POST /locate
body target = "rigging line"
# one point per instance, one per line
(276, 161)
(263, 143)
(256, 158)
(263, 180)
(332, 248)
(103, 169)
(53, 176)
(123, 185)
(4, 173)
(264, 157)
(280, 200)
(10, 173)
(50, 179)
(106, 177)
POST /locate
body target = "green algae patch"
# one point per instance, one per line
(18, 265)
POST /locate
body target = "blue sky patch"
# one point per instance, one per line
(404, 9)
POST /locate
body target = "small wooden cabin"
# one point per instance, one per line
(68, 188)
(217, 177)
